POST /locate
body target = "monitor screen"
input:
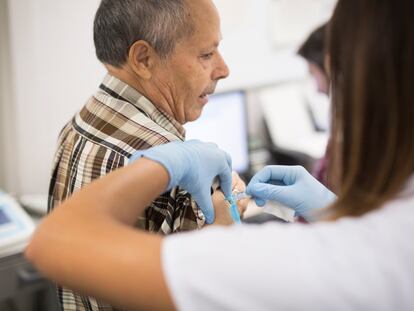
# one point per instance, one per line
(223, 122)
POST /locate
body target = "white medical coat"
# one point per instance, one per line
(364, 263)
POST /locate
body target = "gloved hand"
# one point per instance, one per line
(192, 165)
(292, 186)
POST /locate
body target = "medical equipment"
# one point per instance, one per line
(240, 195)
(16, 226)
(234, 212)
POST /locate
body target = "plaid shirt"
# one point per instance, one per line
(113, 124)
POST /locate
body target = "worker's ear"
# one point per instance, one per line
(141, 58)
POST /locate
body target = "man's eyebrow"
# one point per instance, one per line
(215, 44)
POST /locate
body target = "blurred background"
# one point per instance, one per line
(269, 111)
(48, 69)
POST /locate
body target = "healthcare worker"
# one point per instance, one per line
(356, 254)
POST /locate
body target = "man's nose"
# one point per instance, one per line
(221, 71)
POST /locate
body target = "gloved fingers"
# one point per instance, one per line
(252, 191)
(212, 145)
(229, 160)
(286, 195)
(135, 156)
(193, 142)
(203, 144)
(262, 192)
(279, 175)
(204, 202)
(270, 173)
(259, 191)
(226, 181)
(261, 176)
(260, 202)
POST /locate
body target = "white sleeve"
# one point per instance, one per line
(341, 266)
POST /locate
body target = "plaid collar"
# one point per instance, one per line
(122, 91)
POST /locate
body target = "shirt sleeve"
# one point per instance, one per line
(285, 267)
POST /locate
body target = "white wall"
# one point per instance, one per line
(7, 138)
(54, 70)
(247, 46)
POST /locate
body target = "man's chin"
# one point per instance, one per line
(193, 115)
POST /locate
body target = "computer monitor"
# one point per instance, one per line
(224, 122)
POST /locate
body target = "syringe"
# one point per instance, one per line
(240, 195)
(234, 212)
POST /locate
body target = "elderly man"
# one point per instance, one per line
(163, 61)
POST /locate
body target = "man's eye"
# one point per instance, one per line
(207, 56)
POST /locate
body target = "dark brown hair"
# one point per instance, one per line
(313, 49)
(371, 51)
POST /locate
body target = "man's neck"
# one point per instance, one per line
(143, 87)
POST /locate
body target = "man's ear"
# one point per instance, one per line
(141, 58)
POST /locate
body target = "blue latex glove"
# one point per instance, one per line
(192, 165)
(292, 186)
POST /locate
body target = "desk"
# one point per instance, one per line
(22, 288)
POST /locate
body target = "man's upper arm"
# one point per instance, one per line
(77, 163)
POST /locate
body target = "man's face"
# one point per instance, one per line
(191, 73)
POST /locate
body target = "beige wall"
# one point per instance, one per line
(8, 167)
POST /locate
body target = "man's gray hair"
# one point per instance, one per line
(120, 23)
